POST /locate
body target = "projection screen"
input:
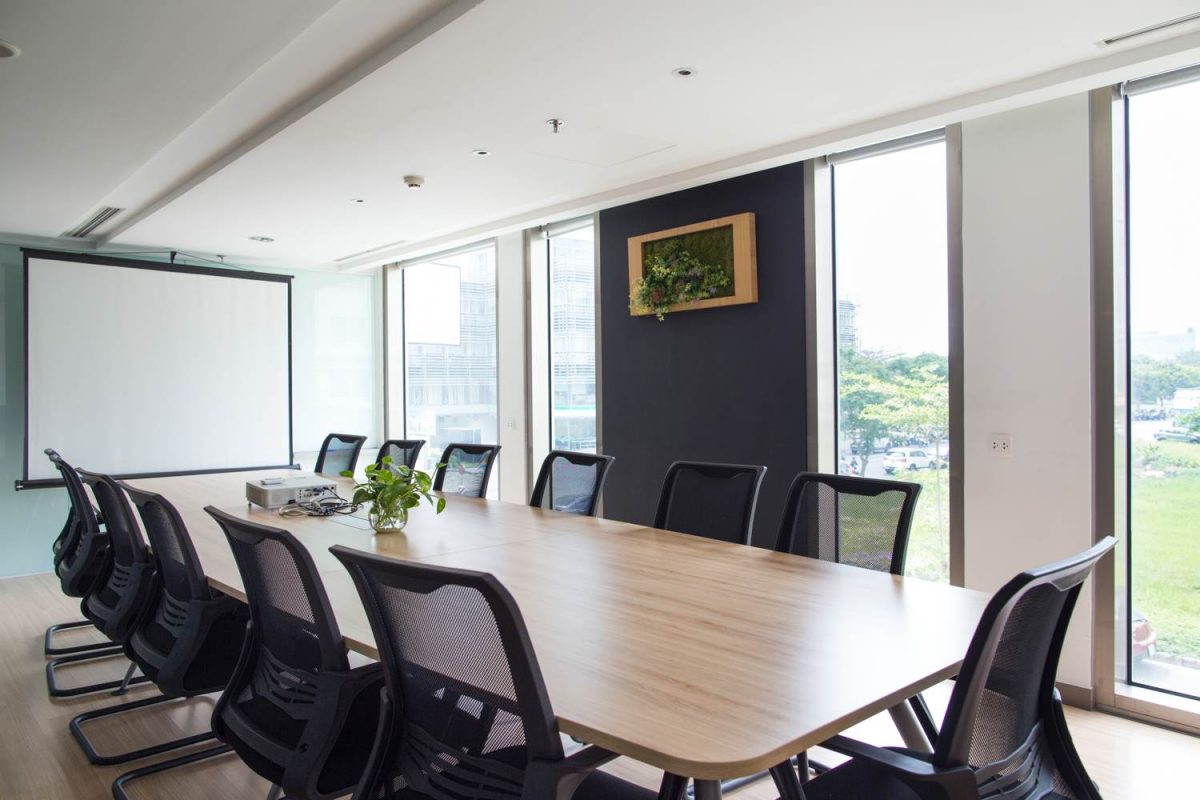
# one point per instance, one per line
(140, 368)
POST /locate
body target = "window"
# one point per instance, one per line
(447, 352)
(892, 332)
(572, 276)
(1162, 637)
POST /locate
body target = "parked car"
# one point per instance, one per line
(908, 458)
(1176, 435)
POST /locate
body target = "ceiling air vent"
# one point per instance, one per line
(102, 215)
(372, 250)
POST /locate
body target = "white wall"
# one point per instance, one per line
(1027, 370)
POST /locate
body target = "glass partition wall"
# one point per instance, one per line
(442, 353)
(892, 331)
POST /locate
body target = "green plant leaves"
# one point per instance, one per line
(673, 275)
(392, 488)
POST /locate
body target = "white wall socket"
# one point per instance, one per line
(1000, 444)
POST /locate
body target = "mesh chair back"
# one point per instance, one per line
(571, 482)
(289, 609)
(466, 469)
(125, 537)
(715, 501)
(860, 521)
(81, 504)
(1001, 713)
(402, 451)
(472, 710)
(84, 559)
(178, 565)
(339, 452)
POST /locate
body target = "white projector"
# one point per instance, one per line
(272, 493)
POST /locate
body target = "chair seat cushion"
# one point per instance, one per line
(857, 780)
(601, 785)
(597, 786)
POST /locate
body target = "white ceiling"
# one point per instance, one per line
(216, 120)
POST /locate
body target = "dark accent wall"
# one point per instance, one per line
(723, 384)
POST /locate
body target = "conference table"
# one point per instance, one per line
(706, 659)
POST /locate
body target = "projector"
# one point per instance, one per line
(273, 493)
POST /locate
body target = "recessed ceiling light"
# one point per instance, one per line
(481, 153)
(683, 72)
(9, 50)
(261, 239)
(357, 200)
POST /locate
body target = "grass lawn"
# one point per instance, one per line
(929, 541)
(1166, 550)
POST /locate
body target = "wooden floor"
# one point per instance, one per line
(39, 759)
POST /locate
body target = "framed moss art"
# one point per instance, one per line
(705, 265)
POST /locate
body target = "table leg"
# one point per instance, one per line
(708, 790)
(673, 787)
(910, 730)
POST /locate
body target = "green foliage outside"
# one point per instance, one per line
(897, 398)
(1155, 381)
(684, 269)
(1166, 543)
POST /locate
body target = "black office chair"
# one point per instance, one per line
(403, 452)
(339, 452)
(123, 588)
(466, 469)
(864, 522)
(294, 711)
(114, 606)
(715, 501)
(571, 482)
(187, 641)
(465, 713)
(1004, 734)
(76, 567)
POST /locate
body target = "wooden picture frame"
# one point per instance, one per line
(743, 269)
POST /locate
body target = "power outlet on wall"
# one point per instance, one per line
(1000, 444)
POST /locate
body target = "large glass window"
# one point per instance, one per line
(893, 334)
(1163, 590)
(449, 353)
(572, 305)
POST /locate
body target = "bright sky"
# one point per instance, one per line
(1164, 185)
(890, 227)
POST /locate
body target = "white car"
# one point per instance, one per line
(908, 458)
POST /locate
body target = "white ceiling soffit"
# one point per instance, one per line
(99, 88)
(769, 74)
(350, 100)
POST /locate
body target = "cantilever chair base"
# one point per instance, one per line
(122, 781)
(94, 757)
(51, 651)
(74, 691)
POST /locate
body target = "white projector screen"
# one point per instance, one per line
(137, 368)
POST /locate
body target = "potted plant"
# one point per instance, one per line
(393, 489)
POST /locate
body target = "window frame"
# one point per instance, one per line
(822, 326)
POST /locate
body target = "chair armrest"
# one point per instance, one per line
(589, 758)
(903, 766)
(891, 759)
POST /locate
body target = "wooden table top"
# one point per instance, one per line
(703, 658)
